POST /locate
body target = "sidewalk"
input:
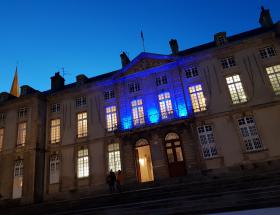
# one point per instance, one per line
(264, 211)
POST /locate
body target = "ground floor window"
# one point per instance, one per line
(18, 179)
(83, 163)
(207, 141)
(114, 157)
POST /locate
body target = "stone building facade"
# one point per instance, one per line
(211, 107)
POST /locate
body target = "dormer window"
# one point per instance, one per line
(133, 87)
(81, 101)
(110, 94)
(22, 112)
(191, 72)
(228, 62)
(161, 80)
(220, 38)
(267, 52)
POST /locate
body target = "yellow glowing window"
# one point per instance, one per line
(82, 124)
(55, 131)
(21, 134)
(165, 105)
(273, 73)
(111, 118)
(236, 89)
(114, 158)
(83, 163)
(138, 112)
(197, 98)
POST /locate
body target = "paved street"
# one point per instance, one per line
(265, 211)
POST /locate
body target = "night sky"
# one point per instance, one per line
(87, 36)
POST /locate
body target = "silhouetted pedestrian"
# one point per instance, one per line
(119, 180)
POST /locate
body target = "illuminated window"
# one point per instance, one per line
(111, 118)
(133, 87)
(138, 112)
(22, 112)
(249, 133)
(206, 138)
(21, 138)
(273, 73)
(191, 72)
(228, 62)
(165, 104)
(82, 124)
(81, 101)
(114, 159)
(54, 169)
(1, 138)
(267, 52)
(197, 97)
(109, 94)
(18, 179)
(55, 131)
(83, 163)
(161, 80)
(55, 108)
(236, 90)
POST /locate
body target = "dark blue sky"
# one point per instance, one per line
(87, 36)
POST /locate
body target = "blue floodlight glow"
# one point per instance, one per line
(153, 115)
(126, 123)
(182, 110)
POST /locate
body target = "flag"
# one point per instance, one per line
(15, 88)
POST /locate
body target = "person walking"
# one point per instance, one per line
(119, 180)
(111, 180)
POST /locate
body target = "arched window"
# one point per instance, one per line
(142, 142)
(171, 136)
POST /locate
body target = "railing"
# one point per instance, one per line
(128, 123)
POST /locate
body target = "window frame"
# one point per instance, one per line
(2, 135)
(274, 78)
(267, 52)
(191, 72)
(21, 142)
(54, 174)
(134, 87)
(81, 101)
(111, 118)
(228, 62)
(80, 129)
(114, 157)
(236, 89)
(57, 131)
(165, 105)
(137, 109)
(197, 98)
(207, 141)
(83, 163)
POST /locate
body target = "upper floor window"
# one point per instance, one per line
(133, 87)
(21, 138)
(249, 133)
(267, 52)
(83, 163)
(82, 124)
(1, 138)
(228, 62)
(111, 118)
(165, 105)
(273, 73)
(236, 90)
(109, 94)
(161, 80)
(54, 169)
(81, 101)
(197, 98)
(137, 112)
(22, 112)
(55, 108)
(114, 157)
(2, 116)
(55, 131)
(206, 138)
(191, 72)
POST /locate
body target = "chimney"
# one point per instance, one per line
(265, 19)
(57, 82)
(174, 46)
(125, 60)
(81, 79)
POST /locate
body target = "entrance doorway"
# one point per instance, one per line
(144, 161)
(174, 155)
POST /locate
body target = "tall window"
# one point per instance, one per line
(249, 133)
(197, 97)
(273, 73)
(114, 157)
(54, 169)
(236, 90)
(111, 118)
(138, 112)
(1, 138)
(21, 138)
(55, 108)
(83, 163)
(81, 101)
(22, 112)
(161, 80)
(55, 131)
(109, 94)
(228, 62)
(165, 105)
(133, 87)
(191, 72)
(82, 124)
(267, 52)
(18, 179)
(2, 117)
(206, 138)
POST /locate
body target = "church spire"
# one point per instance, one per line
(15, 87)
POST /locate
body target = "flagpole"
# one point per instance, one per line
(143, 43)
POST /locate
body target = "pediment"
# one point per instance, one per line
(146, 61)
